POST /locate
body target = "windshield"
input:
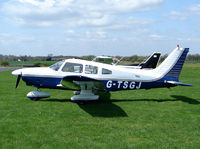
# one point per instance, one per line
(56, 66)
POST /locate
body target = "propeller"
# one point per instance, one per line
(18, 80)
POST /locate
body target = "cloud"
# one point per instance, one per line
(78, 27)
(93, 35)
(125, 6)
(178, 16)
(72, 13)
(194, 9)
(156, 37)
(16, 43)
(187, 12)
(15, 38)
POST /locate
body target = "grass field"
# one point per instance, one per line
(157, 118)
(30, 63)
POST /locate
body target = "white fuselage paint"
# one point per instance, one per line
(120, 74)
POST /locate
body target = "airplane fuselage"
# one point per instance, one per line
(113, 80)
(88, 76)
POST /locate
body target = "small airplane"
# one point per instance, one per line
(150, 63)
(104, 59)
(88, 77)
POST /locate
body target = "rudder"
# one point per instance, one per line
(176, 69)
(171, 67)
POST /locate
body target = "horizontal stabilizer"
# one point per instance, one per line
(178, 83)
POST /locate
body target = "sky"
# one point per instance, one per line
(98, 27)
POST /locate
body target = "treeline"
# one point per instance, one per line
(33, 58)
(193, 58)
(5, 60)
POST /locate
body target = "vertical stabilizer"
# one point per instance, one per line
(151, 62)
(172, 65)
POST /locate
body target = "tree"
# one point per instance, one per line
(4, 63)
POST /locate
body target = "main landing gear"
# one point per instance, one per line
(85, 94)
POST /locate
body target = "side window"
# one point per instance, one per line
(73, 67)
(89, 69)
(106, 71)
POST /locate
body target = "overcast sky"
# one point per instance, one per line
(98, 27)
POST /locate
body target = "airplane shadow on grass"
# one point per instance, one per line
(107, 108)
(177, 98)
(103, 109)
(96, 108)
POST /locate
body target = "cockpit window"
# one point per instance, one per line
(106, 71)
(56, 66)
(73, 67)
(89, 69)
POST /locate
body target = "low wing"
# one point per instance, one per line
(75, 83)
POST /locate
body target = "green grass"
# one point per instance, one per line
(156, 118)
(30, 63)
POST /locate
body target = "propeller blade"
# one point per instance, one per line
(18, 80)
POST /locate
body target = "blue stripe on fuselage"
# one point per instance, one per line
(42, 82)
(114, 85)
(109, 85)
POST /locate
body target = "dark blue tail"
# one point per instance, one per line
(176, 69)
(170, 68)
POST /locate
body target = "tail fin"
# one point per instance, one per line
(151, 62)
(172, 65)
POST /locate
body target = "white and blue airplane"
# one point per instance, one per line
(88, 77)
